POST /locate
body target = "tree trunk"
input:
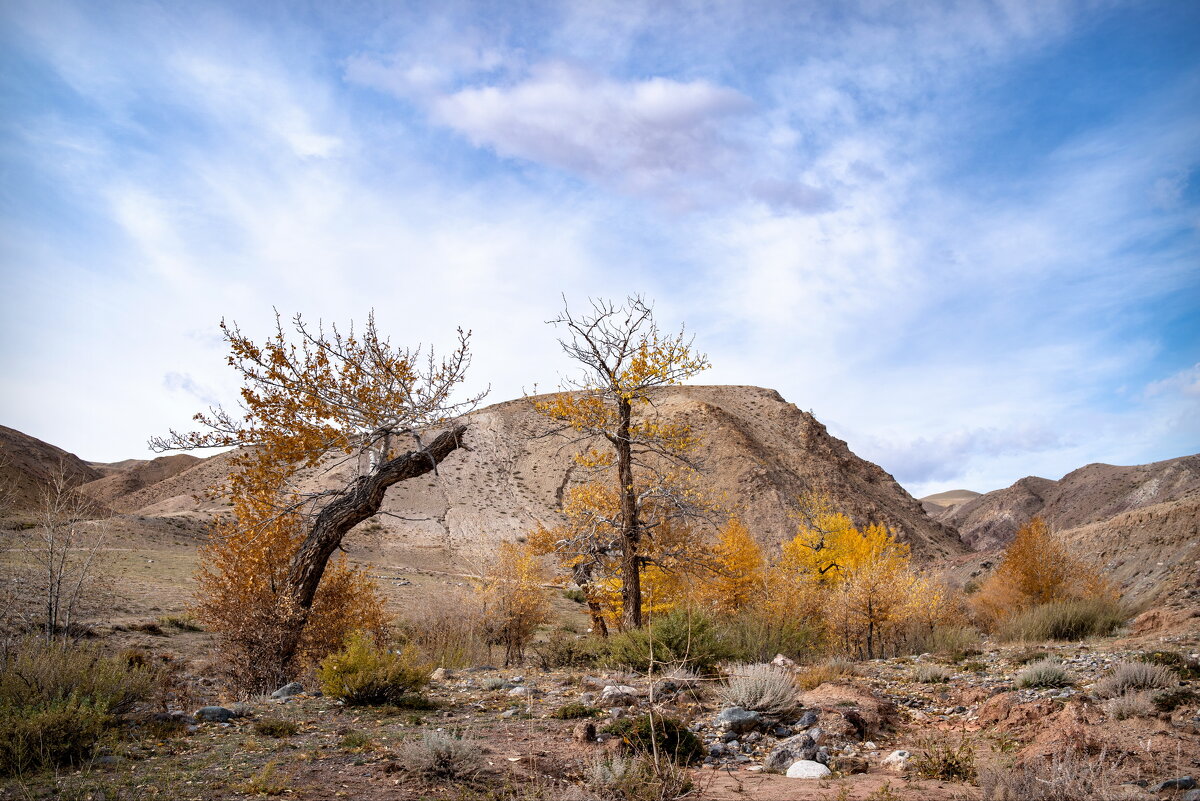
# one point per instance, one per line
(353, 505)
(631, 574)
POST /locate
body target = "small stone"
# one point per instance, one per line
(733, 747)
(108, 760)
(782, 661)
(794, 749)
(1191, 795)
(782, 732)
(870, 746)
(584, 732)
(288, 690)
(521, 691)
(716, 750)
(850, 764)
(240, 709)
(441, 674)
(508, 713)
(816, 735)
(897, 761)
(807, 769)
(807, 720)
(214, 714)
(752, 737)
(618, 695)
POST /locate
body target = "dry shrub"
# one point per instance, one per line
(1131, 705)
(1036, 570)
(1130, 676)
(364, 674)
(761, 688)
(243, 569)
(441, 756)
(829, 670)
(449, 630)
(639, 777)
(931, 674)
(514, 600)
(1070, 775)
(1075, 619)
(939, 758)
(1043, 674)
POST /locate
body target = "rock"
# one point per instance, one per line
(733, 747)
(782, 661)
(1191, 795)
(809, 718)
(584, 732)
(752, 737)
(822, 755)
(816, 735)
(169, 717)
(850, 764)
(521, 691)
(214, 714)
(441, 674)
(794, 749)
(618, 695)
(807, 769)
(870, 746)
(716, 750)
(240, 709)
(1182, 783)
(782, 732)
(897, 761)
(288, 690)
(107, 760)
(738, 720)
(588, 698)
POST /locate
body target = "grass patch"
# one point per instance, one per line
(654, 734)
(945, 761)
(1065, 620)
(932, 674)
(829, 670)
(1170, 700)
(356, 741)
(1043, 674)
(684, 637)
(575, 711)
(439, 755)
(275, 727)
(181, 622)
(1185, 667)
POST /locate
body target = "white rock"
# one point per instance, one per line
(807, 769)
(618, 695)
(897, 760)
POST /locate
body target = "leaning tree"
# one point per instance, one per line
(317, 392)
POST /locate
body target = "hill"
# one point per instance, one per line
(758, 452)
(939, 502)
(27, 465)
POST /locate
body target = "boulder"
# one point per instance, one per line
(794, 749)
(584, 732)
(806, 769)
(1182, 783)
(897, 761)
(288, 690)
(618, 695)
(849, 764)
(738, 720)
(214, 714)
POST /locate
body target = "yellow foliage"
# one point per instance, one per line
(1037, 569)
(515, 602)
(740, 567)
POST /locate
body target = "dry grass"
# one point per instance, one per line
(830, 670)
(439, 755)
(1066, 776)
(1131, 705)
(1043, 674)
(1131, 676)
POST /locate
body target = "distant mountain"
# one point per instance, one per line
(939, 502)
(27, 466)
(760, 453)
(1091, 494)
(122, 480)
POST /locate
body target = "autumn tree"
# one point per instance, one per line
(740, 568)
(314, 392)
(623, 358)
(515, 601)
(1036, 569)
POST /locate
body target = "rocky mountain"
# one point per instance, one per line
(118, 485)
(27, 466)
(759, 453)
(1092, 494)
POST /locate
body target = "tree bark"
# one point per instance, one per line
(353, 505)
(631, 574)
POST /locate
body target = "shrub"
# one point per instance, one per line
(356, 741)
(562, 649)
(441, 755)
(684, 637)
(1043, 674)
(275, 727)
(940, 759)
(181, 622)
(1131, 705)
(495, 683)
(1065, 620)
(363, 674)
(761, 688)
(751, 636)
(1130, 676)
(829, 670)
(575, 594)
(58, 702)
(636, 778)
(1170, 700)
(1026, 656)
(265, 782)
(953, 642)
(1185, 667)
(575, 711)
(931, 674)
(1068, 775)
(649, 734)
(450, 632)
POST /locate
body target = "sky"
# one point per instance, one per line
(965, 235)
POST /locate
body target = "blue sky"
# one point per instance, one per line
(966, 235)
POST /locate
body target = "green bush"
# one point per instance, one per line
(1186, 667)
(562, 649)
(1065, 620)
(685, 638)
(59, 701)
(275, 727)
(753, 638)
(642, 735)
(363, 674)
(574, 711)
